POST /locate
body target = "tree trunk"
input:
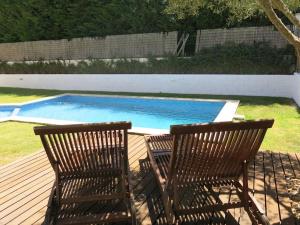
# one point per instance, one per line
(298, 59)
(292, 38)
(282, 7)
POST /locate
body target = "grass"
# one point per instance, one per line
(17, 139)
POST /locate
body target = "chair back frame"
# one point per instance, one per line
(81, 149)
(208, 152)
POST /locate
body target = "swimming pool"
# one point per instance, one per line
(153, 113)
(6, 111)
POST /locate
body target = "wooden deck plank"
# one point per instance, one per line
(284, 202)
(36, 218)
(20, 162)
(38, 204)
(26, 182)
(271, 195)
(17, 176)
(146, 188)
(275, 186)
(295, 164)
(297, 157)
(259, 185)
(26, 193)
(25, 186)
(289, 169)
(17, 211)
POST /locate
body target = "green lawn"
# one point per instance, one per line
(17, 139)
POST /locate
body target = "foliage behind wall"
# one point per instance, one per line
(30, 20)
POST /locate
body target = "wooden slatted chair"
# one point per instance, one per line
(206, 156)
(90, 162)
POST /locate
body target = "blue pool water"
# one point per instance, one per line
(142, 112)
(6, 111)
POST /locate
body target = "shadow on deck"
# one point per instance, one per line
(25, 186)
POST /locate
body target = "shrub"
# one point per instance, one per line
(230, 58)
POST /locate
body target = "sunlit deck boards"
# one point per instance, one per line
(25, 187)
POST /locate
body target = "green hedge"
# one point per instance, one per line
(259, 58)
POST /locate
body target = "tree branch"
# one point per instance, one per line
(277, 22)
(281, 6)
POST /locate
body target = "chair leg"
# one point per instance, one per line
(251, 206)
(264, 219)
(133, 216)
(258, 211)
(127, 189)
(245, 188)
(132, 206)
(52, 208)
(168, 208)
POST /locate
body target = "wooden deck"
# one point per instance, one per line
(25, 187)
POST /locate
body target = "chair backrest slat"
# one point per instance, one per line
(86, 147)
(69, 146)
(216, 150)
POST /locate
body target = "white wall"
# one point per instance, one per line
(296, 94)
(251, 85)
